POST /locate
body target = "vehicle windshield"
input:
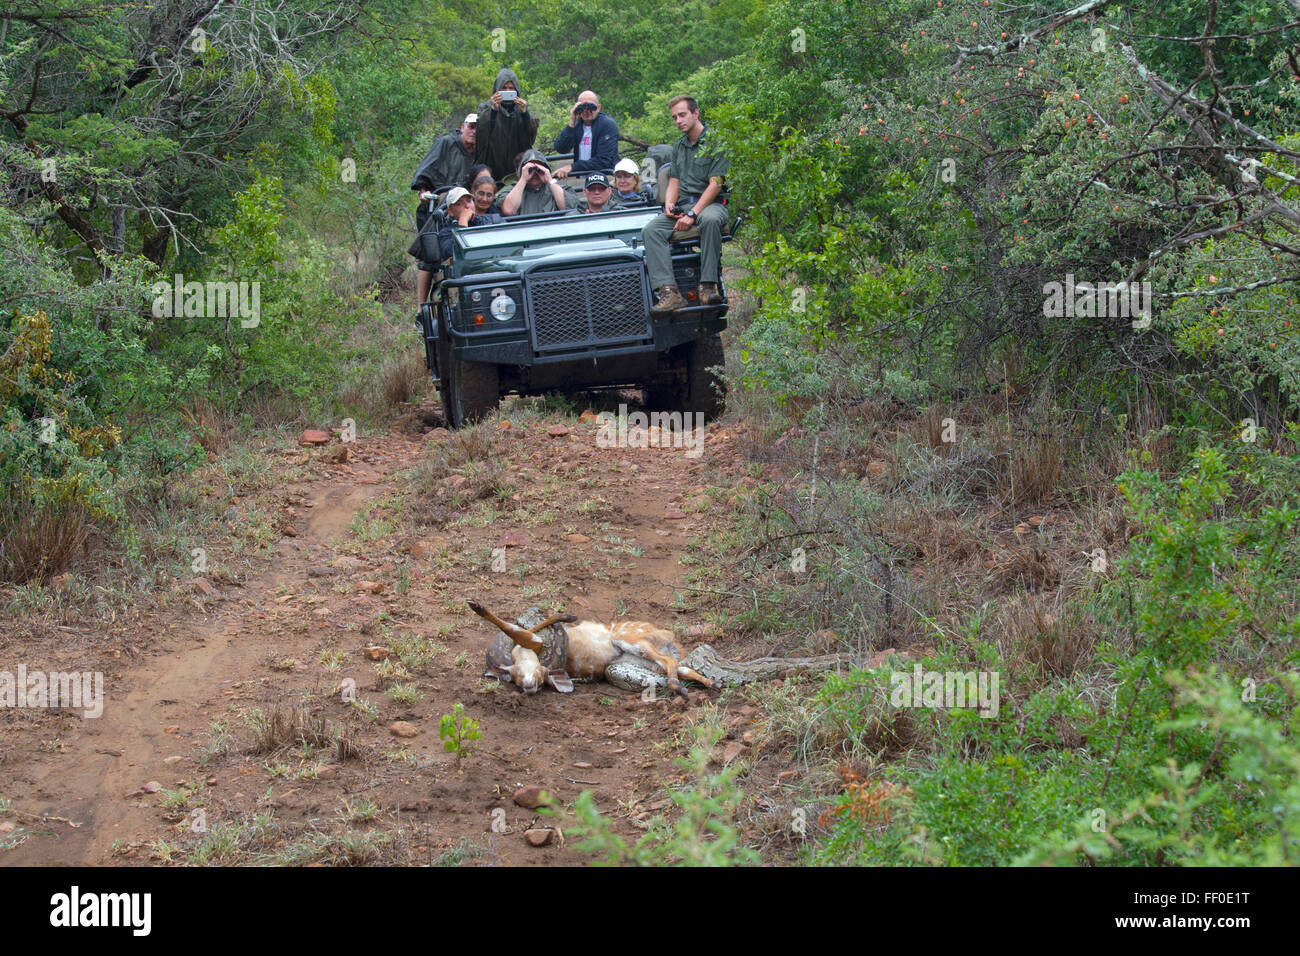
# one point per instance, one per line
(513, 236)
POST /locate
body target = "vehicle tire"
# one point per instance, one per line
(707, 391)
(701, 390)
(470, 390)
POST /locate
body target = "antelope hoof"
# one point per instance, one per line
(681, 691)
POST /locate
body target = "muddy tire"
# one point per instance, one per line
(470, 390)
(697, 389)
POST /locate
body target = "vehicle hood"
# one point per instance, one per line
(552, 255)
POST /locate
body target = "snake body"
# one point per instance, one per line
(632, 673)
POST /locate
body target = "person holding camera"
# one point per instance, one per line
(695, 185)
(506, 128)
(536, 191)
(592, 137)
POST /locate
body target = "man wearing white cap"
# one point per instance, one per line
(449, 160)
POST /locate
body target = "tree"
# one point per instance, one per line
(132, 123)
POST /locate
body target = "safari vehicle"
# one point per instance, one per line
(560, 301)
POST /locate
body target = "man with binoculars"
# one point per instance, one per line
(536, 190)
(591, 136)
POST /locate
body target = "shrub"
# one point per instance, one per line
(703, 834)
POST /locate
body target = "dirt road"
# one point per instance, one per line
(219, 739)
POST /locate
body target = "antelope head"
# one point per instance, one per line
(514, 655)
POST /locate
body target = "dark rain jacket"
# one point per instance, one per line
(604, 144)
(447, 163)
(505, 133)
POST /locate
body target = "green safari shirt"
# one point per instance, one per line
(695, 165)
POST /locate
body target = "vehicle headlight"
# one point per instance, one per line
(503, 308)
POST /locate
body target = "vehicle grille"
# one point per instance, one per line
(686, 272)
(603, 306)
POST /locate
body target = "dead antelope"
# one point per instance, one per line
(529, 657)
(591, 647)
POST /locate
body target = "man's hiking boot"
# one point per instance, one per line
(668, 300)
(709, 293)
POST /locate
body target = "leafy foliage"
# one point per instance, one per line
(458, 732)
(921, 193)
(703, 833)
(1191, 761)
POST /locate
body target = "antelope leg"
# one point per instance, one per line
(521, 636)
(689, 674)
(553, 619)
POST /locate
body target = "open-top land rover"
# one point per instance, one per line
(562, 302)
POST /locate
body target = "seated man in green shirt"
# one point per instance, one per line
(690, 199)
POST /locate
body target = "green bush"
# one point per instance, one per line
(703, 832)
(1180, 749)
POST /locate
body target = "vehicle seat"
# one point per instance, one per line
(693, 233)
(661, 181)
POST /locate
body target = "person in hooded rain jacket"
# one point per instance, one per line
(505, 127)
(447, 163)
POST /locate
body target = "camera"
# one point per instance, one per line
(509, 96)
(679, 210)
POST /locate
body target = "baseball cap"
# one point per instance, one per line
(456, 194)
(472, 119)
(597, 179)
(627, 166)
(533, 156)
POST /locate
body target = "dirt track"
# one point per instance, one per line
(596, 530)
